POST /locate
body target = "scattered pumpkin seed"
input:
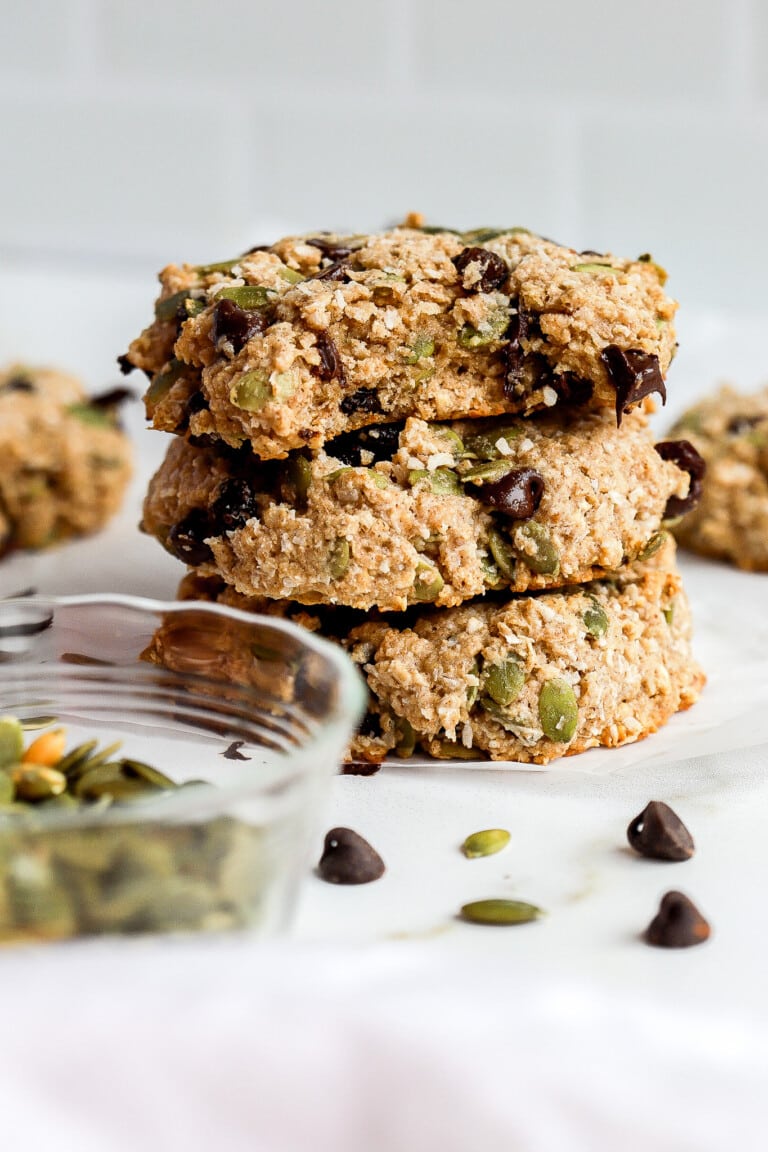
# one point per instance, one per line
(485, 843)
(483, 445)
(37, 781)
(338, 559)
(545, 558)
(290, 275)
(452, 750)
(168, 307)
(595, 267)
(406, 738)
(442, 481)
(493, 328)
(669, 613)
(489, 472)
(162, 382)
(504, 682)
(34, 722)
(558, 710)
(427, 583)
(502, 553)
(653, 545)
(221, 266)
(596, 619)
(299, 474)
(251, 392)
(421, 347)
(500, 912)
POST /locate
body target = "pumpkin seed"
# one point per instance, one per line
(34, 722)
(455, 442)
(37, 781)
(252, 391)
(451, 750)
(427, 583)
(299, 474)
(502, 553)
(338, 559)
(599, 269)
(489, 472)
(162, 382)
(500, 912)
(421, 347)
(442, 481)
(669, 613)
(544, 557)
(137, 769)
(74, 760)
(491, 329)
(504, 682)
(290, 275)
(485, 843)
(11, 741)
(558, 710)
(484, 444)
(406, 738)
(652, 546)
(222, 266)
(168, 307)
(596, 618)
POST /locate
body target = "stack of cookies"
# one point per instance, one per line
(433, 447)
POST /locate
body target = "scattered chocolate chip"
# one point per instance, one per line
(331, 367)
(233, 751)
(361, 767)
(677, 924)
(187, 538)
(660, 834)
(381, 440)
(337, 271)
(111, 398)
(738, 425)
(363, 400)
(517, 494)
(493, 270)
(684, 455)
(514, 356)
(349, 859)
(233, 507)
(237, 325)
(634, 374)
(331, 248)
(125, 365)
(572, 389)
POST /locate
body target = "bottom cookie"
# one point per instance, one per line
(527, 678)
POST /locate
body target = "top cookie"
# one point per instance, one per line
(291, 345)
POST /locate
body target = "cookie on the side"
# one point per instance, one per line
(64, 462)
(730, 431)
(291, 345)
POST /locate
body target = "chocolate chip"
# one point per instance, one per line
(677, 924)
(361, 767)
(660, 834)
(493, 270)
(195, 402)
(331, 248)
(370, 725)
(257, 248)
(187, 538)
(738, 425)
(233, 507)
(349, 859)
(591, 252)
(572, 389)
(337, 271)
(684, 455)
(111, 398)
(514, 356)
(363, 400)
(233, 751)
(382, 441)
(634, 374)
(331, 367)
(125, 365)
(518, 493)
(237, 325)
(18, 383)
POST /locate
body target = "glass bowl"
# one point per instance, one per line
(247, 715)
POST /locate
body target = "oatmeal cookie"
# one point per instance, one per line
(525, 678)
(400, 514)
(294, 344)
(64, 462)
(730, 430)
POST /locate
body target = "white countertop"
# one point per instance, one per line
(384, 1023)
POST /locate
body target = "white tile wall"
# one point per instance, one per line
(151, 130)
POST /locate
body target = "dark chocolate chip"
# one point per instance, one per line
(493, 270)
(361, 767)
(233, 751)
(349, 859)
(591, 252)
(331, 248)
(514, 356)
(517, 495)
(370, 725)
(187, 538)
(111, 398)
(125, 365)
(363, 400)
(572, 389)
(634, 374)
(677, 924)
(336, 271)
(257, 248)
(738, 425)
(684, 455)
(381, 440)
(660, 834)
(233, 507)
(237, 325)
(331, 367)
(195, 402)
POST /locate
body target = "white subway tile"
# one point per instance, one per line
(258, 43)
(692, 192)
(559, 50)
(33, 36)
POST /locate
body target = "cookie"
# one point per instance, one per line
(730, 430)
(317, 335)
(525, 678)
(402, 514)
(64, 463)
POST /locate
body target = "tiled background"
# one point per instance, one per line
(134, 132)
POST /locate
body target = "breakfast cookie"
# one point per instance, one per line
(291, 345)
(64, 462)
(525, 678)
(730, 430)
(400, 514)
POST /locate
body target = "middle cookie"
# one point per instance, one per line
(401, 514)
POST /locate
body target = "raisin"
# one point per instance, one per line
(514, 357)
(360, 767)
(234, 505)
(187, 538)
(235, 324)
(493, 270)
(363, 400)
(331, 249)
(517, 495)
(684, 455)
(337, 271)
(634, 374)
(331, 367)
(125, 365)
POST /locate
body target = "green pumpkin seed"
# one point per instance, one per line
(492, 577)
(596, 619)
(284, 384)
(427, 583)
(332, 477)
(34, 722)
(222, 266)
(75, 759)
(138, 770)
(669, 613)
(251, 392)
(502, 553)
(168, 307)
(406, 738)
(338, 559)
(484, 444)
(455, 442)
(378, 478)
(299, 475)
(485, 843)
(162, 382)
(442, 481)
(558, 711)
(87, 414)
(421, 347)
(653, 545)
(483, 235)
(545, 558)
(492, 329)
(37, 781)
(451, 750)
(11, 741)
(500, 912)
(504, 682)
(489, 472)
(290, 275)
(599, 269)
